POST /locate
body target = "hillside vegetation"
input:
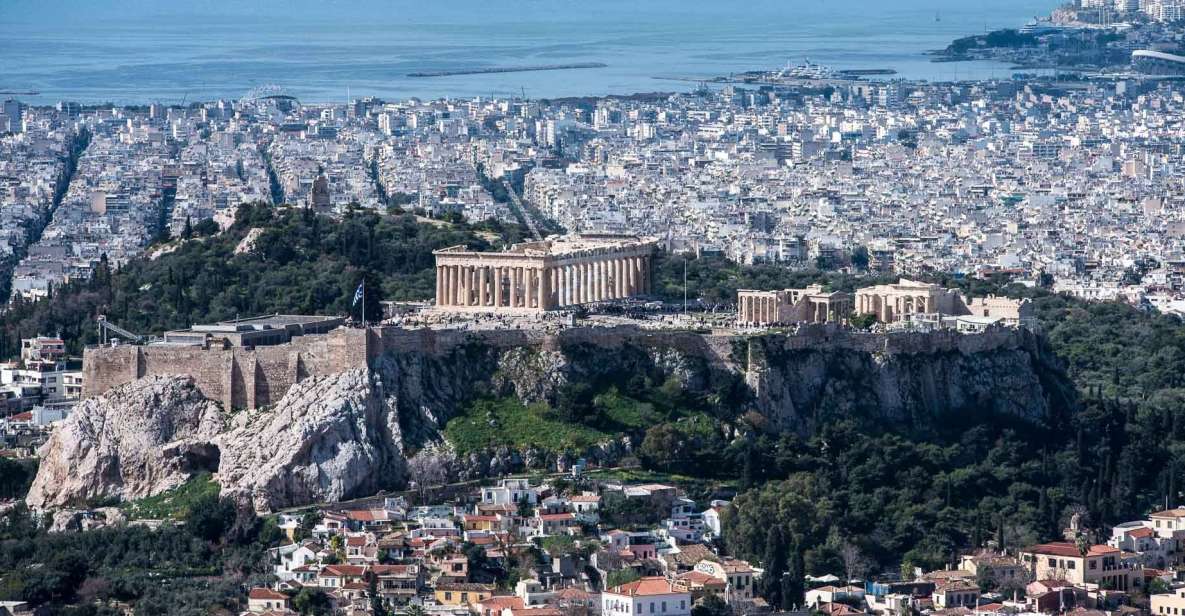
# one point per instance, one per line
(896, 495)
(300, 263)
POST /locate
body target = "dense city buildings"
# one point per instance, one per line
(1074, 182)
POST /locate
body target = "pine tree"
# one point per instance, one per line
(794, 591)
(775, 566)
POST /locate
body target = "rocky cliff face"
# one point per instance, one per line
(328, 439)
(363, 430)
(138, 440)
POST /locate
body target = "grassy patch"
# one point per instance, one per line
(488, 423)
(626, 413)
(173, 504)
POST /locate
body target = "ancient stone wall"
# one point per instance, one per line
(236, 377)
(249, 378)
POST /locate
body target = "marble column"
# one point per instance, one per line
(532, 290)
(582, 293)
(513, 287)
(471, 296)
(463, 288)
(602, 279)
(620, 277)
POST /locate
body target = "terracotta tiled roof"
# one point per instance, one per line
(1065, 548)
(343, 570)
(267, 594)
(647, 586)
(501, 602)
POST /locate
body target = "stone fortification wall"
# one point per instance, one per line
(250, 378)
(813, 336)
(236, 377)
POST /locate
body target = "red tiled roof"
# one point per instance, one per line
(391, 569)
(647, 586)
(1065, 548)
(699, 577)
(501, 602)
(343, 570)
(1140, 533)
(267, 594)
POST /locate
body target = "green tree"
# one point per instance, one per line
(621, 576)
(209, 517)
(711, 605)
(311, 602)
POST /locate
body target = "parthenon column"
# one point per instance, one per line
(532, 287)
(631, 285)
(619, 275)
(602, 282)
(454, 285)
(463, 277)
(582, 284)
(574, 283)
(513, 287)
(646, 272)
(562, 287)
(544, 299)
(471, 276)
(592, 282)
(590, 278)
(639, 278)
(482, 282)
(497, 291)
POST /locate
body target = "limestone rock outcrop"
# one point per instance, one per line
(361, 430)
(327, 439)
(137, 440)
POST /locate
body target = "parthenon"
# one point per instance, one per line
(544, 275)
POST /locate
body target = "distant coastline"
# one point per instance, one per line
(509, 69)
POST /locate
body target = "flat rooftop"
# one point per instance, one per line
(266, 329)
(279, 320)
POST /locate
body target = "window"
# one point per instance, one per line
(448, 596)
(1094, 564)
(1070, 564)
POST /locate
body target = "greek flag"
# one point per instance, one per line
(358, 293)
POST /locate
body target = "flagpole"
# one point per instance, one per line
(363, 300)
